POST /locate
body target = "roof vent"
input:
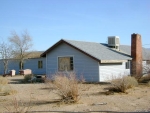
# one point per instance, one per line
(114, 42)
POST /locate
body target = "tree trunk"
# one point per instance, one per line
(5, 67)
(21, 65)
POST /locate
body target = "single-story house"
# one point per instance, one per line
(89, 60)
(33, 62)
(95, 61)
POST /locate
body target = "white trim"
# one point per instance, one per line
(99, 75)
(113, 61)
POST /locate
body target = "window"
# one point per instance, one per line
(40, 64)
(65, 63)
(128, 65)
(21, 66)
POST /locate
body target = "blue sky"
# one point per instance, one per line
(48, 21)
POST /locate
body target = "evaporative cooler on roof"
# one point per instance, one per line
(113, 42)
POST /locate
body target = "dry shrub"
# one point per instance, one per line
(7, 90)
(27, 78)
(3, 80)
(122, 84)
(148, 83)
(67, 86)
(145, 79)
(17, 106)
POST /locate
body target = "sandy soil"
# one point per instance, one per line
(42, 99)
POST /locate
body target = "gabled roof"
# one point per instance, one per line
(96, 51)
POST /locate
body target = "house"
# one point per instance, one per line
(89, 60)
(33, 62)
(95, 61)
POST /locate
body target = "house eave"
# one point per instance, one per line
(112, 61)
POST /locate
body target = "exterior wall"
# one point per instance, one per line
(1, 67)
(28, 64)
(108, 71)
(33, 65)
(83, 65)
(12, 65)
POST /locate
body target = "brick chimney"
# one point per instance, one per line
(136, 54)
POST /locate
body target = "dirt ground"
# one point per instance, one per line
(42, 99)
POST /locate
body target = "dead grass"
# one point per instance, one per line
(145, 79)
(67, 86)
(148, 83)
(44, 100)
(17, 106)
(5, 88)
(3, 81)
(122, 84)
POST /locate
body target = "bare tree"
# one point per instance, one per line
(5, 54)
(21, 46)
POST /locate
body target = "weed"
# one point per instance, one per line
(27, 78)
(67, 86)
(5, 88)
(145, 79)
(17, 106)
(122, 84)
(3, 80)
(148, 83)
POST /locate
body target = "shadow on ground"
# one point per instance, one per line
(18, 79)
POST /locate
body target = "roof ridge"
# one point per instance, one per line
(80, 41)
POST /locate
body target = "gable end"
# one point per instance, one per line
(63, 41)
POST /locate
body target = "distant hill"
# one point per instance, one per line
(32, 54)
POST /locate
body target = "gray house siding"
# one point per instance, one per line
(33, 65)
(1, 67)
(109, 71)
(12, 65)
(83, 65)
(28, 64)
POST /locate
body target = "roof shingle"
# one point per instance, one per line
(101, 51)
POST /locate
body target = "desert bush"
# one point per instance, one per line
(27, 78)
(6, 90)
(145, 79)
(148, 83)
(122, 84)
(3, 80)
(67, 86)
(17, 106)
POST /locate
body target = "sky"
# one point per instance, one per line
(48, 21)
